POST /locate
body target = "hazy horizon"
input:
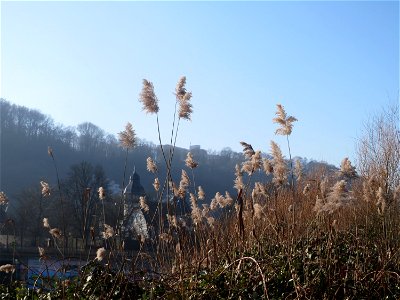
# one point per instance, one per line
(330, 64)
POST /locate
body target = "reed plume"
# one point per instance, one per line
(196, 212)
(206, 210)
(280, 169)
(183, 97)
(127, 138)
(149, 98)
(210, 221)
(248, 150)
(100, 254)
(41, 252)
(298, 170)
(259, 190)
(267, 166)
(102, 193)
(190, 162)
(55, 232)
(286, 127)
(183, 184)
(46, 223)
(3, 198)
(143, 204)
(156, 184)
(8, 268)
(200, 193)
(50, 151)
(151, 165)
(285, 122)
(108, 232)
(45, 189)
(238, 178)
(247, 167)
(346, 169)
(338, 197)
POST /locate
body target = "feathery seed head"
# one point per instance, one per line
(239, 178)
(256, 160)
(50, 151)
(3, 198)
(185, 107)
(102, 193)
(127, 138)
(259, 190)
(46, 223)
(337, 198)
(151, 165)
(55, 232)
(183, 97)
(210, 221)
(206, 210)
(247, 167)
(280, 168)
(156, 184)
(180, 89)
(41, 251)
(143, 204)
(248, 150)
(108, 231)
(8, 268)
(228, 199)
(267, 166)
(177, 192)
(200, 194)
(346, 169)
(298, 169)
(183, 184)
(100, 254)
(214, 201)
(190, 162)
(286, 122)
(149, 98)
(45, 189)
(196, 212)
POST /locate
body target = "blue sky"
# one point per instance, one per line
(331, 64)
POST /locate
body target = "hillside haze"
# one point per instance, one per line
(27, 133)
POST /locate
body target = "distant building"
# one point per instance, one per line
(198, 152)
(195, 147)
(134, 190)
(134, 223)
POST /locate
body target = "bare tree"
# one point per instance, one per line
(379, 151)
(91, 137)
(81, 189)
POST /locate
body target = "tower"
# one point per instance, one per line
(134, 223)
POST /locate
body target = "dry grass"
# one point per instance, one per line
(316, 239)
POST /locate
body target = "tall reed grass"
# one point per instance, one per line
(295, 234)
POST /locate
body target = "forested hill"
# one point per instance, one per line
(26, 135)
